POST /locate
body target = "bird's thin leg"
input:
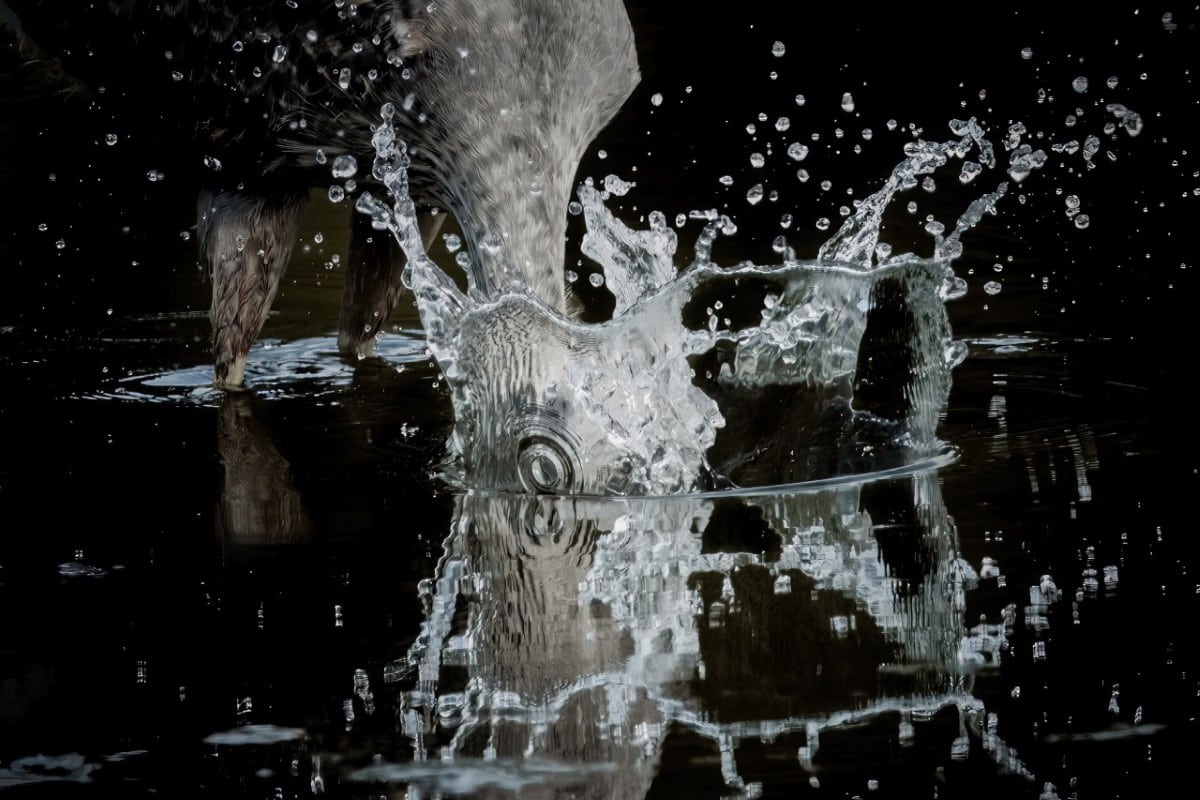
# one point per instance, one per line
(373, 285)
(246, 240)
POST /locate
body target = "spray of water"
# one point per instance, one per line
(706, 375)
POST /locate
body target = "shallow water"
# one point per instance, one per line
(273, 595)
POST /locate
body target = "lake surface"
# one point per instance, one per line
(271, 594)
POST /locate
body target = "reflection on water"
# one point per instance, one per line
(585, 630)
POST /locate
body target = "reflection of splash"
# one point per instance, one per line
(584, 631)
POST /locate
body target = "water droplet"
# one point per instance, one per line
(970, 171)
(1082, 221)
(847, 102)
(802, 175)
(320, 156)
(757, 160)
(185, 235)
(680, 220)
(778, 49)
(61, 244)
(782, 124)
(1112, 82)
(574, 208)
(785, 221)
(336, 194)
(596, 279)
(238, 46)
(755, 195)
(797, 151)
(603, 154)
(928, 184)
(823, 224)
(1080, 84)
(656, 99)
(1026, 53)
(318, 237)
(344, 78)
(453, 242)
(280, 54)
(1072, 201)
(992, 287)
(867, 134)
(345, 166)
(800, 100)
(616, 186)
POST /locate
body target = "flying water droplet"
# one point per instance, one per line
(616, 186)
(345, 166)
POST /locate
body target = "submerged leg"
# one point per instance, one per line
(373, 285)
(246, 240)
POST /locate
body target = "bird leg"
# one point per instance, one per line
(373, 284)
(246, 240)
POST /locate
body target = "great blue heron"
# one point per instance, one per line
(496, 99)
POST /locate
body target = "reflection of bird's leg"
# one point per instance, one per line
(246, 240)
(259, 504)
(373, 285)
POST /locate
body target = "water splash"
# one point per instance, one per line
(546, 403)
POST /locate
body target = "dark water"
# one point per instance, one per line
(179, 567)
